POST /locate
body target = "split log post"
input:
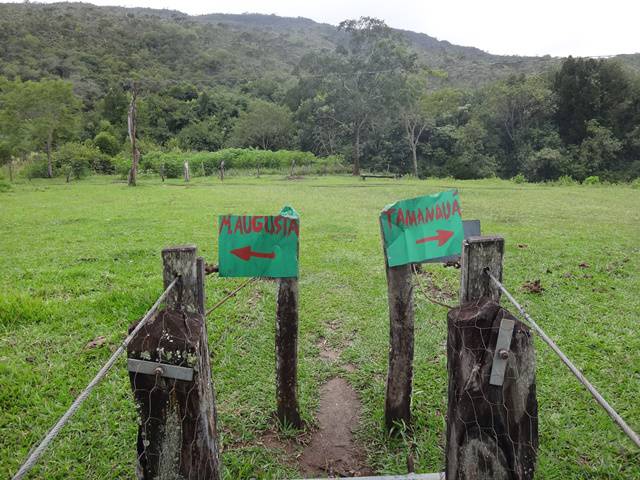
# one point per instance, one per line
(222, 171)
(397, 406)
(177, 436)
(287, 352)
(492, 418)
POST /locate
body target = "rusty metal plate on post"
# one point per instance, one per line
(501, 354)
(164, 369)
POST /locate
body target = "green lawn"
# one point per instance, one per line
(82, 260)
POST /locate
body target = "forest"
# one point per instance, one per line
(257, 93)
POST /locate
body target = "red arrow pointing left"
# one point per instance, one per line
(245, 253)
(442, 237)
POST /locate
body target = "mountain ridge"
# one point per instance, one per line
(98, 46)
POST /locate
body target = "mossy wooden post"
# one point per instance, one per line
(287, 352)
(177, 436)
(397, 405)
(492, 418)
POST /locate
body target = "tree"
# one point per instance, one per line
(205, 135)
(264, 125)
(361, 79)
(415, 118)
(75, 160)
(107, 143)
(597, 152)
(38, 114)
(514, 108)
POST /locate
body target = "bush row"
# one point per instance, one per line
(171, 164)
(76, 159)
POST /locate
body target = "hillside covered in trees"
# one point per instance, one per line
(378, 98)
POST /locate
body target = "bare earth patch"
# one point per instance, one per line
(332, 450)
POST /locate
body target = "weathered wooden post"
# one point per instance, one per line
(479, 253)
(492, 418)
(287, 352)
(397, 407)
(222, 171)
(170, 377)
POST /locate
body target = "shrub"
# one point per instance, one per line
(238, 159)
(519, 178)
(36, 167)
(76, 160)
(122, 164)
(565, 181)
(546, 164)
(592, 180)
(107, 143)
(636, 184)
(4, 185)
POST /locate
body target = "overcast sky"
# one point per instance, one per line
(531, 27)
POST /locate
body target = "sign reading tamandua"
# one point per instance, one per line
(422, 228)
(259, 245)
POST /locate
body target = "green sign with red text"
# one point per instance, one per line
(422, 228)
(259, 245)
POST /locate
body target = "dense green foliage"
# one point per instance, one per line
(208, 163)
(88, 265)
(380, 98)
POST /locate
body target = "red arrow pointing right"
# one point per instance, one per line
(245, 253)
(442, 237)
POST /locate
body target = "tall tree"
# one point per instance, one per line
(39, 114)
(362, 80)
(264, 125)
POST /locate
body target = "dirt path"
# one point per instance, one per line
(332, 450)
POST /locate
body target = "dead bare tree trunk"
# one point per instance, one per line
(356, 152)
(187, 175)
(132, 125)
(49, 163)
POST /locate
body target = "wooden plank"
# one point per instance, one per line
(287, 352)
(479, 253)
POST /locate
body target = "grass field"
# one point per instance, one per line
(82, 260)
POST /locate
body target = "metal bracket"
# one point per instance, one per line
(162, 369)
(501, 354)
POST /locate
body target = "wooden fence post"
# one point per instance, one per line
(287, 352)
(170, 377)
(492, 418)
(397, 407)
(479, 253)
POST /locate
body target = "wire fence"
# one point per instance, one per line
(633, 436)
(156, 380)
(489, 418)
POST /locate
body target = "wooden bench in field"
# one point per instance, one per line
(364, 177)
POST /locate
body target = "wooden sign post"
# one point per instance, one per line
(268, 246)
(413, 231)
